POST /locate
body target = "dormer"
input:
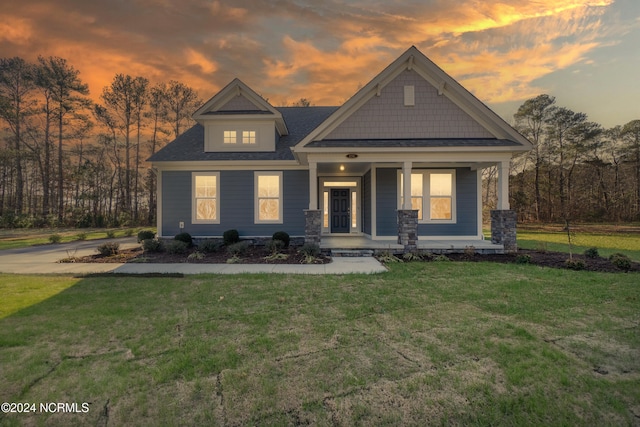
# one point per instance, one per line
(238, 119)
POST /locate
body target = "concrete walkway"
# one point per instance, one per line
(44, 260)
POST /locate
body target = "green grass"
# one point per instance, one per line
(606, 242)
(426, 344)
(20, 238)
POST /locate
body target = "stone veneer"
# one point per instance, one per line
(503, 229)
(408, 229)
(313, 226)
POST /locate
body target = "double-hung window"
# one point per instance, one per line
(432, 195)
(206, 197)
(268, 197)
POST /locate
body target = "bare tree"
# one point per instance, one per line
(181, 101)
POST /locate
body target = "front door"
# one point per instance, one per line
(340, 210)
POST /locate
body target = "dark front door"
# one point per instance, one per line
(340, 210)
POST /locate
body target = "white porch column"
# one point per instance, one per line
(406, 185)
(503, 185)
(313, 186)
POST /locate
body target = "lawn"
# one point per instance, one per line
(23, 237)
(426, 344)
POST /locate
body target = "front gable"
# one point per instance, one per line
(413, 103)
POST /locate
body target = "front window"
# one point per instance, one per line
(268, 197)
(206, 198)
(432, 195)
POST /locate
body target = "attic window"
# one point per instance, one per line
(409, 96)
(248, 136)
(229, 137)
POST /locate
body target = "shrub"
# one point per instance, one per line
(230, 237)
(274, 246)
(145, 235)
(310, 249)
(184, 237)
(108, 249)
(441, 258)
(523, 259)
(81, 236)
(176, 247)
(238, 249)
(209, 246)
(111, 234)
(283, 236)
(128, 232)
(620, 260)
(152, 245)
(55, 238)
(591, 253)
(574, 264)
(388, 258)
(196, 256)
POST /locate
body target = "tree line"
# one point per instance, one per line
(67, 161)
(577, 170)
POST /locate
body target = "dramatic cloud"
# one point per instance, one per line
(323, 51)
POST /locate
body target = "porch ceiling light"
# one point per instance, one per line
(352, 156)
(341, 167)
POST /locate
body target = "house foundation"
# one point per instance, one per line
(313, 226)
(408, 229)
(503, 229)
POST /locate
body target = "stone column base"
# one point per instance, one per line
(313, 226)
(503, 229)
(408, 229)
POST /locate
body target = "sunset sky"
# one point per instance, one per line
(586, 53)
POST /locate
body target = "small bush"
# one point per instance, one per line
(274, 246)
(413, 256)
(523, 259)
(283, 236)
(620, 260)
(196, 256)
(184, 237)
(111, 234)
(591, 253)
(230, 237)
(238, 249)
(574, 264)
(152, 245)
(388, 258)
(441, 258)
(310, 249)
(209, 246)
(128, 232)
(145, 235)
(108, 249)
(81, 236)
(176, 247)
(55, 238)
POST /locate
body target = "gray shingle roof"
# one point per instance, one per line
(300, 121)
(431, 142)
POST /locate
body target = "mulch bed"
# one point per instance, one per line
(257, 255)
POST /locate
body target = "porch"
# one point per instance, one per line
(333, 243)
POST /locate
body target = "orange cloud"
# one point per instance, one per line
(15, 30)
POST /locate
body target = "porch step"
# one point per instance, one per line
(351, 252)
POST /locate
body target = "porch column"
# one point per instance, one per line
(313, 186)
(406, 185)
(407, 217)
(503, 185)
(503, 220)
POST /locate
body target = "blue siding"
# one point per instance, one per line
(366, 203)
(466, 206)
(387, 202)
(236, 204)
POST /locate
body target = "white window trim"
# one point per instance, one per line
(426, 196)
(194, 220)
(256, 199)
(344, 182)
